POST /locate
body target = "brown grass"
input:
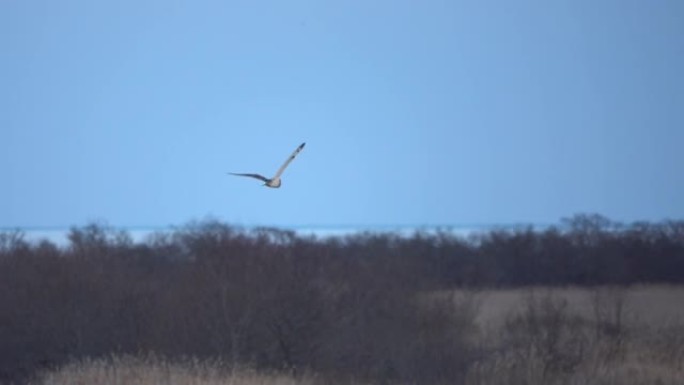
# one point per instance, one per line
(509, 371)
(535, 336)
(128, 370)
(502, 371)
(604, 336)
(646, 305)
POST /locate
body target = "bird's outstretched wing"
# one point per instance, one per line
(289, 159)
(257, 176)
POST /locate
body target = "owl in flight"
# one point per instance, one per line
(275, 181)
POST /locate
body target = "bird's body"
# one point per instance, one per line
(275, 181)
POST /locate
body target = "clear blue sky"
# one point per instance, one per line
(414, 112)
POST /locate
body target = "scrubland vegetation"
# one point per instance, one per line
(587, 302)
(150, 370)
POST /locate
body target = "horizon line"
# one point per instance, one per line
(319, 226)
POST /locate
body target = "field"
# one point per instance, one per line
(148, 370)
(604, 335)
(644, 305)
(215, 303)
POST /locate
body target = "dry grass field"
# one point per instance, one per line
(643, 305)
(603, 336)
(535, 336)
(129, 370)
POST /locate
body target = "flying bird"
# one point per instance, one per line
(275, 181)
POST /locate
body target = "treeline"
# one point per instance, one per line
(352, 307)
